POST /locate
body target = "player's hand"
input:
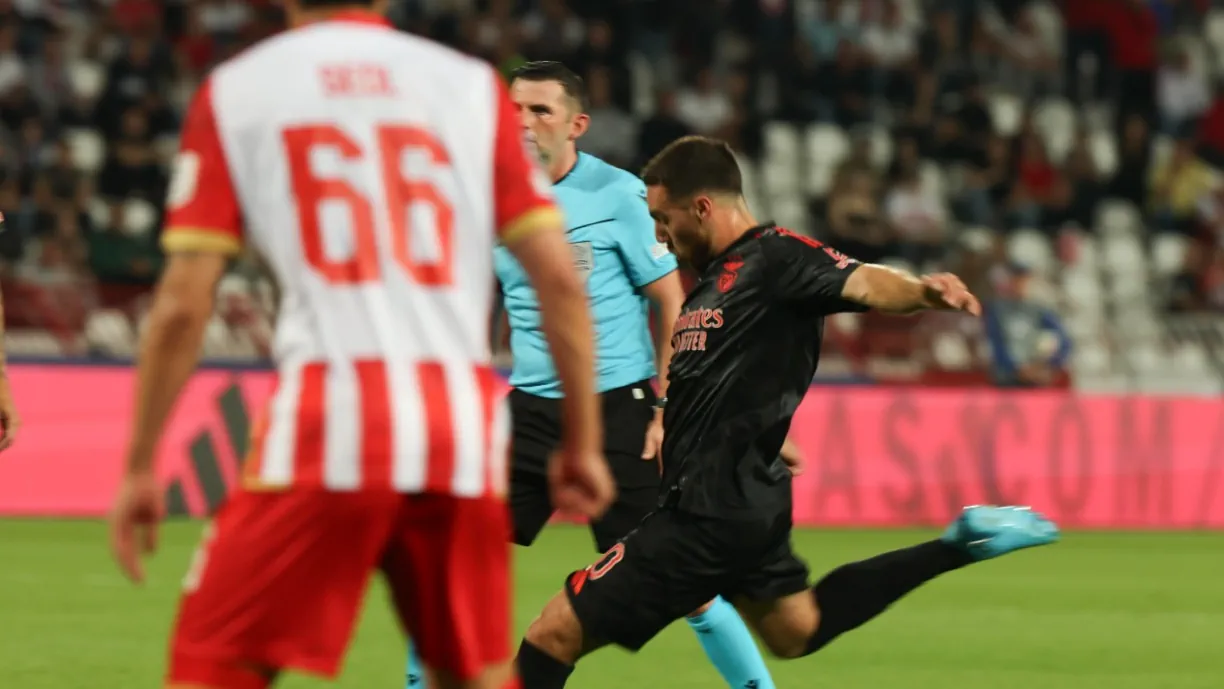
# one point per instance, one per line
(581, 483)
(793, 456)
(653, 447)
(134, 520)
(10, 422)
(946, 291)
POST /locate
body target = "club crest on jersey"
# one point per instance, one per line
(584, 258)
(726, 280)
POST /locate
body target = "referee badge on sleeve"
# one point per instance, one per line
(584, 258)
(659, 251)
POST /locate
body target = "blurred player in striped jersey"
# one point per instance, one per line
(374, 172)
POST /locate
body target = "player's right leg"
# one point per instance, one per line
(795, 621)
(448, 567)
(276, 583)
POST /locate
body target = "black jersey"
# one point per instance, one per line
(747, 343)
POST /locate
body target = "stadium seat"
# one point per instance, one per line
(825, 148)
(166, 148)
(1007, 112)
(1169, 254)
(1082, 290)
(1056, 121)
(99, 213)
(109, 331)
(781, 141)
(87, 149)
(1090, 357)
(36, 343)
(641, 78)
(1033, 249)
(977, 239)
(1116, 217)
(849, 323)
(139, 217)
(1124, 256)
(779, 178)
(951, 352)
(933, 180)
(881, 147)
(1104, 151)
(87, 79)
(790, 212)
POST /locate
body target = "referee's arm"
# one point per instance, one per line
(667, 294)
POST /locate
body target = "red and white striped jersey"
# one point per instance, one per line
(374, 172)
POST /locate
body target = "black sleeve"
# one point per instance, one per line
(810, 275)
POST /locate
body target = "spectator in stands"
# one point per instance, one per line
(12, 68)
(1133, 34)
(891, 48)
(612, 129)
(704, 107)
(1182, 93)
(1033, 56)
(1086, 50)
(660, 129)
(825, 25)
(988, 183)
(553, 31)
(1035, 185)
(1130, 180)
(1028, 345)
(917, 217)
(853, 222)
(1211, 129)
(1178, 184)
(1082, 190)
(842, 88)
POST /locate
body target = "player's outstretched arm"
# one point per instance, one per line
(895, 291)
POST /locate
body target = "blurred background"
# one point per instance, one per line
(1060, 156)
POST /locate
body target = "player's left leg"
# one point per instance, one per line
(719, 629)
(241, 620)
(796, 621)
(448, 567)
(656, 575)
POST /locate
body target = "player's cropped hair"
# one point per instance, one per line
(549, 70)
(692, 165)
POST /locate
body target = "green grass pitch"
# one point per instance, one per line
(1115, 611)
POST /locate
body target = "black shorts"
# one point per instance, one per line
(627, 413)
(674, 563)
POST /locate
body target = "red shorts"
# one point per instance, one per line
(279, 580)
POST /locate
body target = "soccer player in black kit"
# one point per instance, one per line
(746, 348)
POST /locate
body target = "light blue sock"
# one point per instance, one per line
(416, 671)
(730, 646)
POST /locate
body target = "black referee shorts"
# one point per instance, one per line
(536, 432)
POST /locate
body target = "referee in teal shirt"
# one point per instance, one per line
(626, 270)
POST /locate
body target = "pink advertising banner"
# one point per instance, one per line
(875, 456)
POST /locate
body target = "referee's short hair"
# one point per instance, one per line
(550, 70)
(695, 164)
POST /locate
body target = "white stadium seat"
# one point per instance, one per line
(139, 217)
(1169, 254)
(87, 79)
(87, 149)
(1033, 249)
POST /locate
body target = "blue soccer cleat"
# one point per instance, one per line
(986, 531)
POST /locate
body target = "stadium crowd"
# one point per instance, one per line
(1050, 152)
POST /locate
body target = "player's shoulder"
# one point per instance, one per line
(599, 175)
(326, 41)
(780, 245)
